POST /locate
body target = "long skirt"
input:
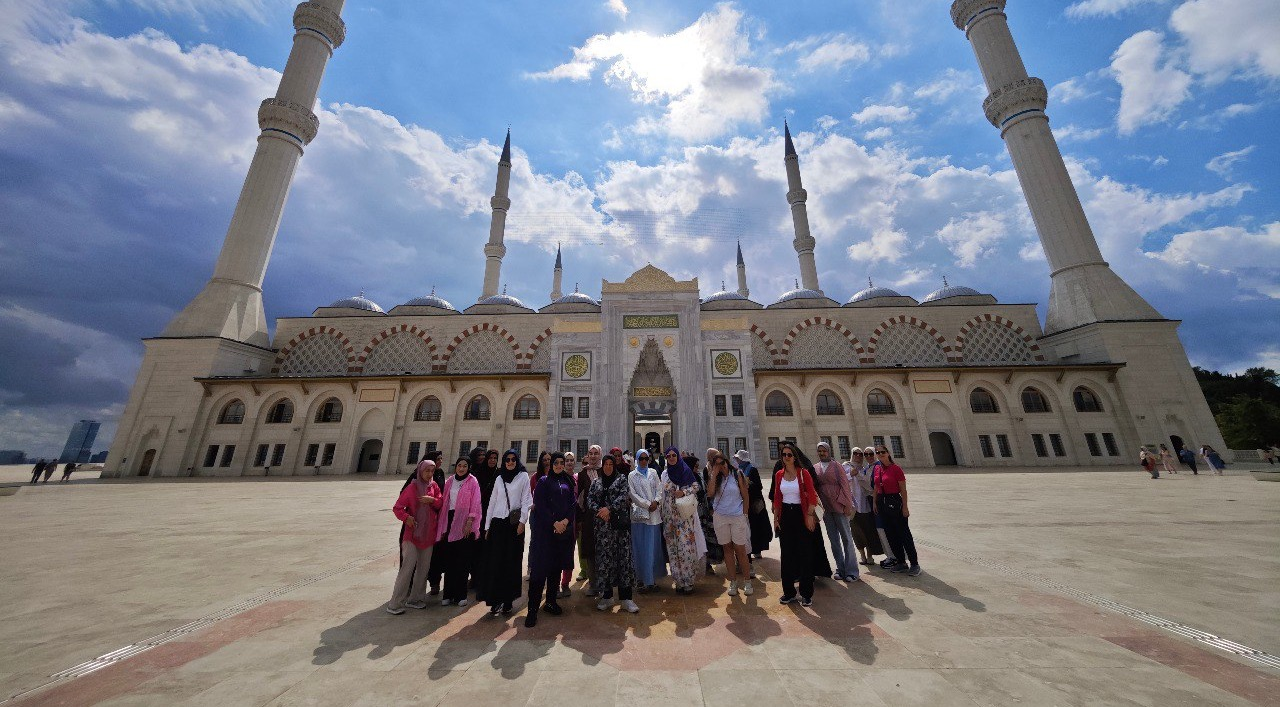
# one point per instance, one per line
(864, 533)
(646, 552)
(503, 560)
(797, 552)
(821, 565)
(761, 531)
(687, 564)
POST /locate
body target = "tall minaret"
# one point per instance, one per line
(796, 196)
(742, 274)
(1084, 288)
(556, 276)
(230, 305)
(494, 250)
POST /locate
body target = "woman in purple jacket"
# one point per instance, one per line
(458, 530)
(551, 543)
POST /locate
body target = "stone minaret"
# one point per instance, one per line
(494, 250)
(230, 305)
(1084, 288)
(742, 274)
(797, 196)
(556, 276)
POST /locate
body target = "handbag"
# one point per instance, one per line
(513, 514)
(687, 506)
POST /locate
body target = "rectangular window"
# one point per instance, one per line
(773, 447)
(878, 441)
(464, 448)
(327, 459)
(412, 459)
(313, 451)
(584, 408)
(1091, 440)
(277, 455)
(722, 443)
(228, 453)
(790, 439)
(845, 450)
(260, 457)
(825, 438)
(532, 456)
(895, 445)
(211, 455)
(1055, 441)
(739, 443)
(431, 447)
(516, 445)
(1038, 442)
(566, 445)
(984, 442)
(1109, 440)
(583, 446)
(736, 402)
(566, 408)
(1002, 441)
(722, 408)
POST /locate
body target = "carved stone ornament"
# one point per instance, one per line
(651, 374)
(962, 11)
(649, 279)
(288, 117)
(798, 196)
(317, 17)
(1022, 96)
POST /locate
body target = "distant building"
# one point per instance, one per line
(80, 442)
(98, 458)
(12, 456)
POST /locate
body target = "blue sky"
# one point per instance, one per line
(644, 131)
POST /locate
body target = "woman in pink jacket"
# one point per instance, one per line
(457, 531)
(417, 508)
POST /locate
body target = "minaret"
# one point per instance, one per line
(742, 274)
(796, 196)
(1084, 288)
(230, 305)
(494, 250)
(557, 274)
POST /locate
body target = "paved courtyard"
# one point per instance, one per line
(1034, 590)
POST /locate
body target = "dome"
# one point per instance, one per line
(358, 302)
(873, 293)
(725, 295)
(948, 291)
(430, 300)
(503, 299)
(800, 294)
(576, 298)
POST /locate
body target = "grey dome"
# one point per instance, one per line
(504, 299)
(873, 293)
(430, 300)
(949, 291)
(576, 298)
(359, 302)
(800, 294)
(724, 295)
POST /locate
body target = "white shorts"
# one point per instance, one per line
(732, 529)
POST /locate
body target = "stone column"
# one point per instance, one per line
(494, 250)
(797, 196)
(230, 305)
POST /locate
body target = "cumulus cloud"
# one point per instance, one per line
(883, 114)
(1230, 36)
(829, 52)
(1069, 91)
(949, 84)
(618, 7)
(972, 236)
(1069, 133)
(1104, 8)
(1247, 253)
(1151, 87)
(1222, 164)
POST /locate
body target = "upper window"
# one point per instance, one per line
(331, 411)
(281, 412)
(777, 405)
(527, 408)
(829, 403)
(982, 401)
(232, 413)
(1034, 401)
(879, 403)
(1086, 400)
(428, 410)
(477, 409)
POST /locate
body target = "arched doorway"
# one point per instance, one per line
(1177, 443)
(148, 458)
(370, 457)
(652, 399)
(944, 453)
(653, 443)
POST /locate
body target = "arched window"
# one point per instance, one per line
(981, 401)
(1034, 401)
(232, 413)
(281, 413)
(1086, 400)
(879, 403)
(777, 405)
(527, 408)
(331, 411)
(829, 403)
(428, 410)
(477, 409)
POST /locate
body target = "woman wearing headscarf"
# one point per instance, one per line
(645, 487)
(551, 544)
(457, 531)
(706, 515)
(586, 528)
(835, 491)
(679, 528)
(609, 501)
(795, 503)
(416, 508)
(863, 523)
(757, 513)
(821, 566)
(505, 520)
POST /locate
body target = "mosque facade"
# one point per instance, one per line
(954, 378)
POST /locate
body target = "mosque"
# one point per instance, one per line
(954, 378)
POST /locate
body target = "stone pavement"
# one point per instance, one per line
(94, 567)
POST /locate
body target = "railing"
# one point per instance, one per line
(1246, 455)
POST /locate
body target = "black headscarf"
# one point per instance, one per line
(509, 476)
(611, 479)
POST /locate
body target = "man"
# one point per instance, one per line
(66, 471)
(48, 471)
(36, 472)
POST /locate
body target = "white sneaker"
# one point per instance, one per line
(733, 588)
(630, 606)
(446, 602)
(747, 588)
(464, 602)
(604, 604)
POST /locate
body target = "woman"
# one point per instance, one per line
(609, 501)
(457, 531)
(540, 472)
(1210, 455)
(416, 508)
(757, 514)
(795, 520)
(836, 494)
(729, 499)
(863, 525)
(678, 529)
(505, 521)
(645, 488)
(586, 528)
(707, 544)
(890, 559)
(821, 567)
(551, 547)
(1147, 460)
(1167, 460)
(891, 501)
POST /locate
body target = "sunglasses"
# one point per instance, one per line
(882, 451)
(788, 455)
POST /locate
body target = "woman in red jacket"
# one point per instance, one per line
(416, 508)
(795, 520)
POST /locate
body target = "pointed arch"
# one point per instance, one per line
(944, 354)
(526, 362)
(318, 351)
(374, 359)
(767, 344)
(992, 338)
(483, 329)
(859, 352)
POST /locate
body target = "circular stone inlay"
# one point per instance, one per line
(576, 366)
(726, 364)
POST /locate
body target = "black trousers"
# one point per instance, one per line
(537, 585)
(624, 593)
(897, 528)
(797, 552)
(455, 563)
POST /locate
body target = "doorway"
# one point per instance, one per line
(370, 457)
(1177, 443)
(944, 453)
(148, 459)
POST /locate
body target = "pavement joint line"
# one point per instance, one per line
(1209, 639)
(146, 644)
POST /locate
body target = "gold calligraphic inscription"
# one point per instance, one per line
(656, 391)
(650, 321)
(575, 366)
(726, 363)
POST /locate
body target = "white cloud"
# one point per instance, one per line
(1068, 133)
(1068, 91)
(1151, 88)
(883, 114)
(834, 53)
(974, 235)
(618, 7)
(881, 133)
(1222, 164)
(1103, 8)
(202, 10)
(1250, 255)
(826, 122)
(951, 82)
(1227, 36)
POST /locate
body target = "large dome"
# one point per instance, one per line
(431, 300)
(724, 295)
(358, 302)
(576, 298)
(800, 294)
(949, 291)
(873, 293)
(503, 299)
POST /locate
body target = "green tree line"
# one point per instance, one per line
(1246, 406)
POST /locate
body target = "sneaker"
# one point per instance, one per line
(494, 611)
(394, 611)
(806, 601)
(564, 592)
(853, 578)
(531, 619)
(899, 568)
(464, 602)
(446, 602)
(733, 589)
(604, 604)
(416, 604)
(888, 562)
(505, 609)
(553, 609)
(914, 571)
(786, 599)
(630, 606)
(748, 589)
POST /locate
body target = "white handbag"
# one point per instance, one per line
(687, 506)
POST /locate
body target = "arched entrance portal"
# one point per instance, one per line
(370, 457)
(148, 459)
(652, 400)
(653, 443)
(944, 453)
(1177, 444)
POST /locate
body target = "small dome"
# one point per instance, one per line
(800, 294)
(431, 300)
(873, 293)
(725, 295)
(358, 302)
(504, 299)
(576, 298)
(948, 291)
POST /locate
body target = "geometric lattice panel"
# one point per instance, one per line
(483, 352)
(319, 355)
(761, 357)
(990, 342)
(542, 357)
(908, 345)
(398, 353)
(822, 347)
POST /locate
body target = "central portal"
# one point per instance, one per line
(652, 402)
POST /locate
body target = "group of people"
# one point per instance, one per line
(46, 469)
(1153, 462)
(633, 521)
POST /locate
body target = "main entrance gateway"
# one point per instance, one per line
(652, 401)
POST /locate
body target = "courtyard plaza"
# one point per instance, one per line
(272, 592)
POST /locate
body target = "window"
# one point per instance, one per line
(331, 411)
(878, 441)
(260, 456)
(773, 447)
(531, 455)
(232, 413)
(566, 408)
(411, 458)
(895, 444)
(228, 453)
(281, 413)
(527, 408)
(1002, 441)
(211, 455)
(722, 408)
(313, 451)
(984, 441)
(981, 401)
(482, 444)
(1086, 400)
(777, 405)
(1034, 401)
(477, 409)
(464, 448)
(790, 439)
(516, 445)
(1109, 441)
(829, 403)
(1055, 441)
(879, 403)
(583, 446)
(1037, 441)
(722, 443)
(584, 408)
(431, 447)
(428, 410)
(739, 443)
(827, 439)
(327, 459)
(845, 450)
(736, 402)
(277, 455)
(1091, 440)
(566, 445)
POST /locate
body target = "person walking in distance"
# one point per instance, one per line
(891, 498)
(37, 471)
(417, 509)
(48, 471)
(795, 521)
(66, 471)
(836, 493)
(458, 530)
(1188, 457)
(727, 487)
(1166, 460)
(551, 545)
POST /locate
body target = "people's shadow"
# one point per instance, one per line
(842, 624)
(934, 586)
(470, 643)
(373, 628)
(749, 622)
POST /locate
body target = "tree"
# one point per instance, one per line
(1249, 423)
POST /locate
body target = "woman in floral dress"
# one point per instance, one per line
(686, 562)
(609, 501)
